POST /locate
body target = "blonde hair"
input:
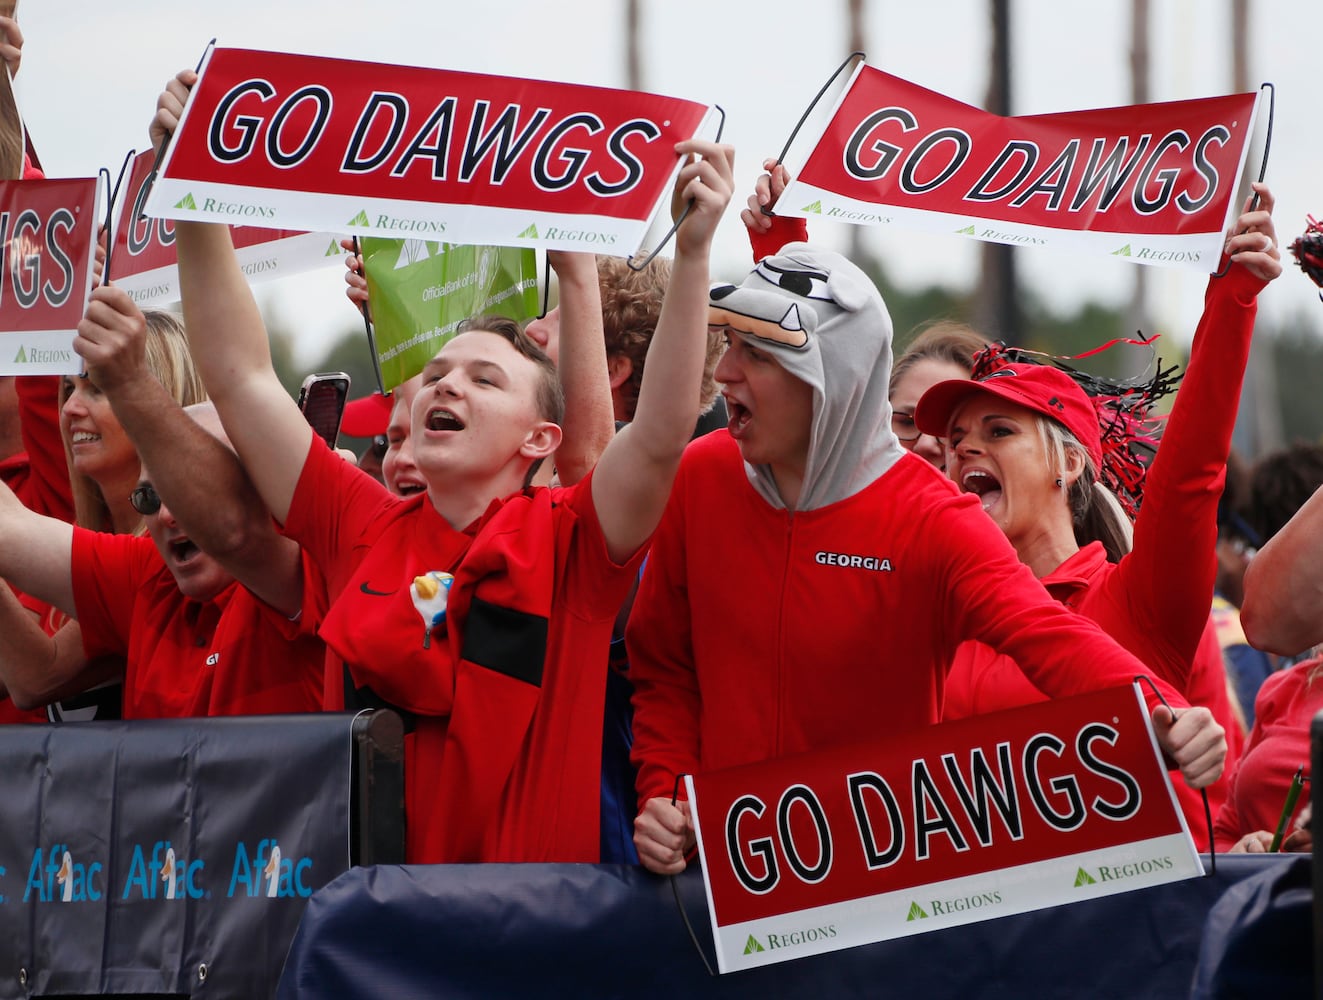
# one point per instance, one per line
(168, 360)
(1095, 512)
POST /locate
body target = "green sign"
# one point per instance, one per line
(420, 291)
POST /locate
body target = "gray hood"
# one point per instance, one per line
(822, 319)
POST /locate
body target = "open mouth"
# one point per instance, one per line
(409, 489)
(183, 550)
(83, 437)
(982, 484)
(443, 420)
(738, 416)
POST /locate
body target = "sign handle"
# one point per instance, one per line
(813, 104)
(367, 326)
(675, 886)
(1263, 164)
(1203, 792)
(721, 126)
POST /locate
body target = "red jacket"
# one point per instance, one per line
(758, 633)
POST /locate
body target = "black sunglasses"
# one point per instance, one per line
(146, 501)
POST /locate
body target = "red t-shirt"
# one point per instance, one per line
(234, 655)
(370, 546)
(1278, 744)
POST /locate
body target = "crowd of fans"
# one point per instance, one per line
(578, 575)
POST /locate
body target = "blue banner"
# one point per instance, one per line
(168, 856)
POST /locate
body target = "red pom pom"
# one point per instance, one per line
(1308, 251)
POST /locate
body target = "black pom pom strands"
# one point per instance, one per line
(1129, 432)
(1308, 252)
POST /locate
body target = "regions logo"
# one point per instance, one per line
(916, 913)
(39, 356)
(1123, 252)
(398, 224)
(187, 202)
(967, 231)
(959, 904)
(1116, 873)
(529, 234)
(361, 219)
(752, 946)
(1084, 878)
(333, 250)
(795, 938)
(1169, 256)
(237, 208)
(815, 208)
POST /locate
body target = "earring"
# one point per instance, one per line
(1059, 484)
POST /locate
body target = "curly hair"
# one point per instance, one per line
(631, 304)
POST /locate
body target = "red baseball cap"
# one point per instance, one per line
(1042, 388)
(367, 417)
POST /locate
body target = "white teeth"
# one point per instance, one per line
(982, 484)
(80, 437)
(443, 420)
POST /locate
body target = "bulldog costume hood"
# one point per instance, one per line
(823, 320)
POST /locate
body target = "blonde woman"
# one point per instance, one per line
(103, 471)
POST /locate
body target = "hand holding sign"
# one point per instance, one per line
(357, 290)
(112, 339)
(170, 108)
(766, 192)
(708, 181)
(1246, 246)
(663, 835)
(1194, 741)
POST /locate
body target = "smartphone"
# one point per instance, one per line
(322, 400)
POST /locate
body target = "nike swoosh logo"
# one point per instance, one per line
(375, 593)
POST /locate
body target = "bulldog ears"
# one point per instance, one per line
(850, 293)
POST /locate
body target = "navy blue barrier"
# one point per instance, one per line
(576, 931)
(176, 857)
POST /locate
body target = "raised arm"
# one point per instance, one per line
(633, 478)
(199, 477)
(1283, 609)
(229, 343)
(1177, 524)
(37, 669)
(589, 423)
(35, 552)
